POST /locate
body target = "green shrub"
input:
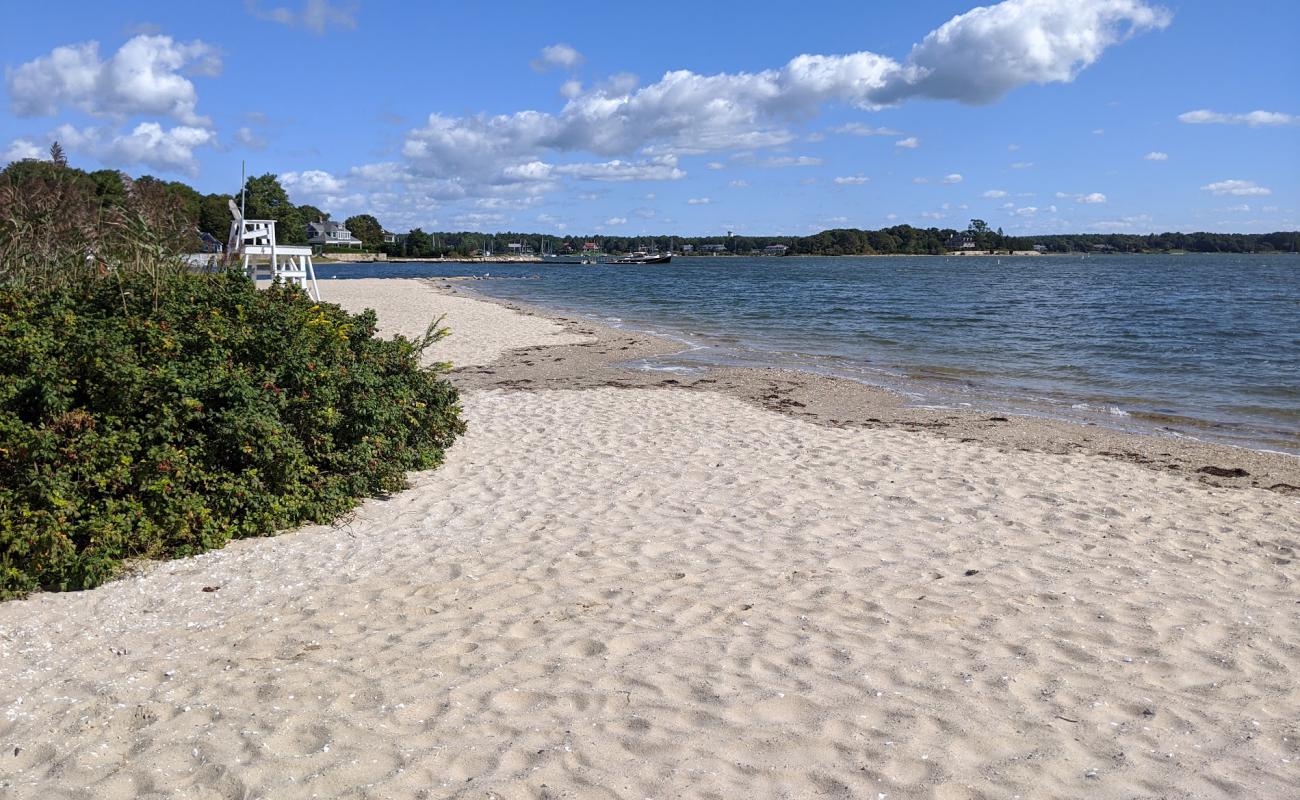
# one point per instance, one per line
(160, 417)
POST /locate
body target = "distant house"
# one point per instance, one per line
(393, 238)
(962, 241)
(713, 248)
(1102, 248)
(209, 243)
(589, 246)
(775, 250)
(330, 234)
(688, 248)
(1040, 248)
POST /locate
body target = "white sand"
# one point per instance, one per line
(479, 332)
(636, 593)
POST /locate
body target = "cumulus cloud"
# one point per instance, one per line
(557, 55)
(316, 16)
(1091, 199)
(715, 165)
(951, 179)
(143, 77)
(739, 184)
(1237, 188)
(699, 201)
(974, 58)
(616, 221)
(163, 149)
(1254, 119)
(993, 194)
(852, 180)
(312, 182)
(20, 149)
(631, 131)
(979, 56)
(1156, 155)
(663, 168)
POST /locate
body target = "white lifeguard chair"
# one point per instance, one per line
(254, 240)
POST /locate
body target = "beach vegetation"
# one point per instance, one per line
(148, 410)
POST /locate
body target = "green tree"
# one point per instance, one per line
(109, 187)
(311, 213)
(366, 228)
(57, 156)
(214, 216)
(419, 244)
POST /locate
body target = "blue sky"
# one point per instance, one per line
(1038, 116)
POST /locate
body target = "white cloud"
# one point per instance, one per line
(143, 77)
(793, 161)
(715, 165)
(1240, 207)
(1237, 188)
(994, 194)
(315, 15)
(663, 168)
(910, 143)
(167, 150)
(312, 182)
(859, 129)
(616, 221)
(571, 88)
(699, 201)
(1254, 119)
(1027, 211)
(557, 55)
(1091, 199)
(979, 56)
(951, 179)
(1022, 165)
(247, 138)
(1156, 155)
(739, 184)
(852, 180)
(1013, 147)
(20, 149)
(973, 58)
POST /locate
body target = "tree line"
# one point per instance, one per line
(266, 198)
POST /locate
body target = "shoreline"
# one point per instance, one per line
(842, 402)
(659, 590)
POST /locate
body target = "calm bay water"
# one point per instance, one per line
(1196, 345)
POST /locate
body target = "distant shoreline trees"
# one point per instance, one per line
(266, 198)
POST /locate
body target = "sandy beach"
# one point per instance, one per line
(623, 587)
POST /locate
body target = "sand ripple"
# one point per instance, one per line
(668, 594)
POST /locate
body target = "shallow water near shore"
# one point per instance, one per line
(1196, 345)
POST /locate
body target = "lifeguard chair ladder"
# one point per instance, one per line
(254, 239)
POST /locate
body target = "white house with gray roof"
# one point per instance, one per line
(330, 234)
